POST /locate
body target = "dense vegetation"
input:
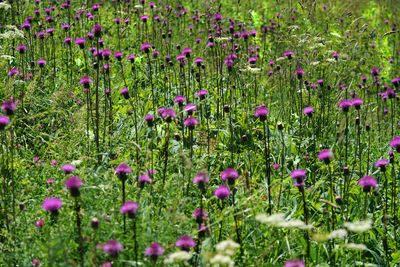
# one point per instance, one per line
(199, 133)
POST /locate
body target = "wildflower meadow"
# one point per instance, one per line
(199, 133)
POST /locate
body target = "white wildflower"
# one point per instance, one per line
(339, 233)
(358, 226)
(76, 162)
(355, 246)
(272, 220)
(227, 247)
(4, 6)
(221, 260)
(6, 57)
(178, 257)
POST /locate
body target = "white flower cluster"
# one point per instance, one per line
(12, 33)
(339, 233)
(355, 246)
(4, 6)
(180, 256)
(358, 226)
(225, 250)
(278, 220)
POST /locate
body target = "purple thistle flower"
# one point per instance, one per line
(308, 111)
(368, 182)
(143, 180)
(298, 175)
(145, 47)
(149, 119)
(217, 17)
(129, 208)
(8, 107)
(85, 81)
(297, 262)
(198, 61)
(222, 192)
(180, 99)
(168, 114)
(118, 55)
(185, 242)
(73, 182)
(374, 71)
(67, 40)
(39, 223)
(153, 251)
(288, 54)
(122, 171)
(187, 51)
(52, 205)
(396, 82)
(73, 185)
(201, 177)
(21, 48)
(325, 155)
(357, 102)
(125, 93)
(390, 93)
(202, 94)
(106, 53)
(299, 73)
(190, 108)
(335, 55)
(67, 168)
(345, 105)
(97, 30)
(112, 248)
(261, 113)
(200, 215)
(13, 72)
(132, 58)
(381, 164)
(41, 62)
(395, 143)
(229, 175)
(4, 120)
(81, 42)
(275, 166)
(191, 122)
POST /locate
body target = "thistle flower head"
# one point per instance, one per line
(395, 143)
(73, 184)
(357, 102)
(261, 113)
(190, 122)
(299, 175)
(52, 205)
(295, 263)
(129, 208)
(368, 182)
(325, 155)
(222, 192)
(168, 114)
(345, 105)
(153, 251)
(308, 111)
(229, 175)
(68, 168)
(4, 120)
(8, 107)
(122, 171)
(381, 164)
(112, 247)
(185, 242)
(125, 93)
